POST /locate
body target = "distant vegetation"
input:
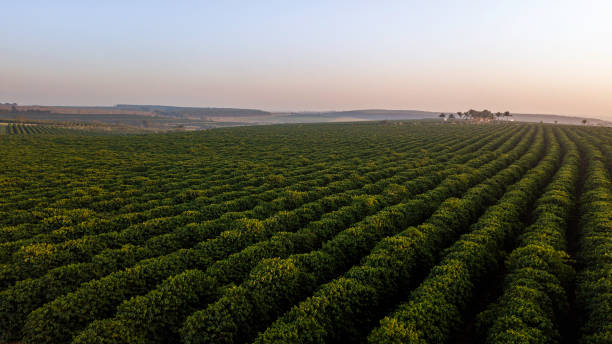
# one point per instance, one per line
(31, 126)
(182, 112)
(26, 129)
(484, 115)
(166, 118)
(134, 117)
(366, 232)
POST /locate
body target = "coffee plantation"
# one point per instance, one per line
(365, 232)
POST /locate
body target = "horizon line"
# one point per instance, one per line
(587, 116)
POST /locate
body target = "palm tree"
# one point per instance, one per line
(459, 114)
(507, 114)
(442, 115)
(451, 116)
(498, 115)
(584, 121)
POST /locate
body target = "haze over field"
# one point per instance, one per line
(522, 56)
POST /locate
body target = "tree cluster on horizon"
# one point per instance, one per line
(484, 115)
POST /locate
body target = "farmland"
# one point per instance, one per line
(367, 232)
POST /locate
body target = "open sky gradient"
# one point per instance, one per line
(530, 56)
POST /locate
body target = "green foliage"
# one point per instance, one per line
(594, 282)
(534, 296)
(434, 308)
(341, 251)
(322, 233)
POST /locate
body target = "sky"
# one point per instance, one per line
(525, 56)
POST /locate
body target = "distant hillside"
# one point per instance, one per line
(161, 117)
(193, 112)
(371, 114)
(380, 114)
(559, 119)
(73, 110)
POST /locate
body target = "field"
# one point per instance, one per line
(21, 129)
(368, 232)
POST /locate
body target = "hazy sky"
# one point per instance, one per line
(523, 56)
